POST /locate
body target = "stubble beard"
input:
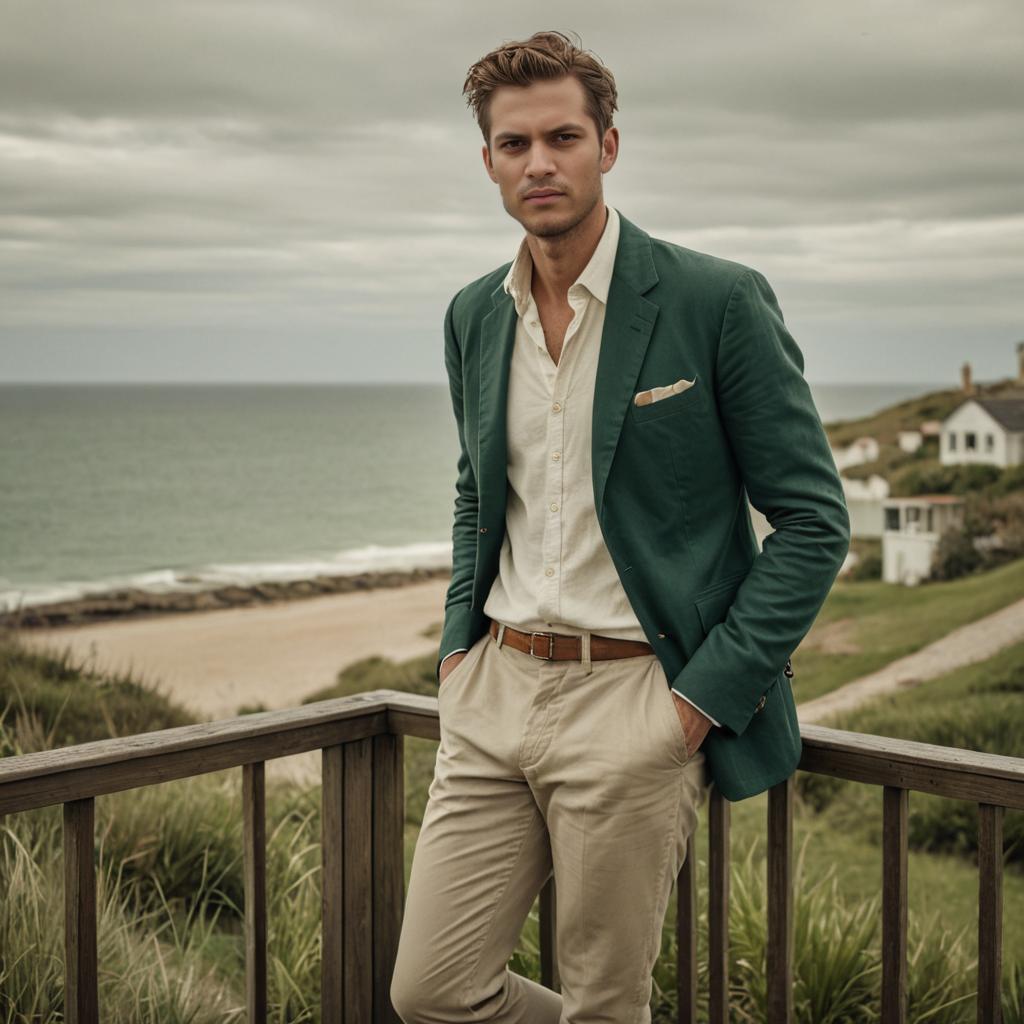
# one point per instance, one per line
(555, 229)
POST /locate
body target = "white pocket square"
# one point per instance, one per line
(657, 394)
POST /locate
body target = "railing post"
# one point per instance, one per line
(686, 935)
(718, 908)
(388, 859)
(779, 952)
(548, 930)
(894, 905)
(990, 913)
(254, 856)
(347, 985)
(332, 974)
(81, 997)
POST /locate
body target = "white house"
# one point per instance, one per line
(909, 440)
(864, 504)
(910, 534)
(860, 450)
(986, 431)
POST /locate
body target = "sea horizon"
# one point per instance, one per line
(173, 486)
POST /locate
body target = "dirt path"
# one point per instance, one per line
(970, 643)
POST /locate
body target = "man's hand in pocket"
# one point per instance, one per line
(448, 664)
(695, 725)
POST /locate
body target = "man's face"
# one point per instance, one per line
(542, 139)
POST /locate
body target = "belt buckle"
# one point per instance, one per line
(551, 646)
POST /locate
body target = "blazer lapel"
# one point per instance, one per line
(497, 338)
(628, 323)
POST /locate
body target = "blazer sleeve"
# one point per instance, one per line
(455, 633)
(789, 473)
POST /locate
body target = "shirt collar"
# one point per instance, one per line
(596, 276)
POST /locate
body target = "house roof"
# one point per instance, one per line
(1007, 412)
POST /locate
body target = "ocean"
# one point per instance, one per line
(169, 487)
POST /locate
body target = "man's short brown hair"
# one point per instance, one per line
(544, 56)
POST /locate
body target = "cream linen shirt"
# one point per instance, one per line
(555, 573)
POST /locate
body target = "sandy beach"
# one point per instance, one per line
(275, 654)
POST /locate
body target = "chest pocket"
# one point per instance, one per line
(672, 405)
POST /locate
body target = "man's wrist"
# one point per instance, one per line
(686, 700)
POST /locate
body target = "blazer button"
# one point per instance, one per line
(760, 703)
(483, 529)
(661, 636)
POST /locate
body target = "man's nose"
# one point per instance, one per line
(541, 161)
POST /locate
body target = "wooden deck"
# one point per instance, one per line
(361, 740)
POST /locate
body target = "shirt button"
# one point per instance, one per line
(557, 407)
(533, 323)
(556, 456)
(549, 572)
(554, 506)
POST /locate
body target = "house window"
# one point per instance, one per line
(913, 514)
(952, 441)
(930, 527)
(892, 518)
(990, 442)
(970, 441)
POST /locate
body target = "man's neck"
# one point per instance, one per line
(559, 261)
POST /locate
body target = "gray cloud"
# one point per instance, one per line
(228, 180)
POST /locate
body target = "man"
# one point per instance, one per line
(613, 642)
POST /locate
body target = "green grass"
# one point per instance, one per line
(886, 621)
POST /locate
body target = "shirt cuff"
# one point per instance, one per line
(700, 709)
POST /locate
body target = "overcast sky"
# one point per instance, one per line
(293, 190)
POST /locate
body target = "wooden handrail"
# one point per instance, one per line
(361, 740)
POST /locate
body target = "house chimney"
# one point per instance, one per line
(1020, 362)
(965, 377)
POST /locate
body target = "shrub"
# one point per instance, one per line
(955, 555)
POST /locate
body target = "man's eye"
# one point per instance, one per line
(561, 135)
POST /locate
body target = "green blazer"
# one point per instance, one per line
(671, 482)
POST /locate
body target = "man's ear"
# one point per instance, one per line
(486, 153)
(609, 149)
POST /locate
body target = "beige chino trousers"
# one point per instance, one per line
(574, 767)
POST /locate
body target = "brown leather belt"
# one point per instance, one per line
(568, 646)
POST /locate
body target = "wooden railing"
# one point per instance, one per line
(360, 738)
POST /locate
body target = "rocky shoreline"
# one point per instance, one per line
(135, 603)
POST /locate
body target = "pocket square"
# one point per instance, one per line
(657, 394)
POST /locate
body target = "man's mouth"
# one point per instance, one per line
(543, 197)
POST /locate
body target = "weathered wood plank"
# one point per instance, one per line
(908, 764)
(718, 907)
(99, 779)
(81, 997)
(686, 935)
(357, 881)
(990, 913)
(894, 905)
(779, 952)
(204, 735)
(388, 860)
(254, 867)
(332, 973)
(548, 930)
